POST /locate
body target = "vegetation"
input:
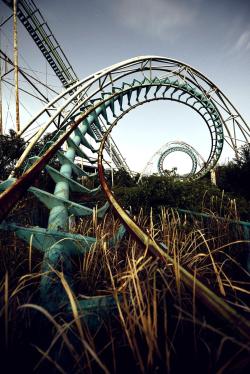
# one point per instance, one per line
(156, 325)
(155, 192)
(11, 148)
(235, 176)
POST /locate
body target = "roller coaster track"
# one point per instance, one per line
(178, 149)
(174, 146)
(37, 27)
(96, 104)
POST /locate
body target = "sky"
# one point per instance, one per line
(212, 36)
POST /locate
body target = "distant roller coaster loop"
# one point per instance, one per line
(158, 158)
(183, 149)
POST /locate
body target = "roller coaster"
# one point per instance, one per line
(159, 157)
(94, 106)
(81, 120)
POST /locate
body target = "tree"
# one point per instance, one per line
(123, 179)
(11, 148)
(235, 176)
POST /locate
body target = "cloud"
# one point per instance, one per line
(243, 42)
(158, 18)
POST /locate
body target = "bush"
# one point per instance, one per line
(157, 191)
(235, 176)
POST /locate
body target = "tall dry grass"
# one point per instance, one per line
(157, 325)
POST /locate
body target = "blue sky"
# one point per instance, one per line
(213, 36)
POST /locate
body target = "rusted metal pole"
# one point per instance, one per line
(213, 176)
(16, 65)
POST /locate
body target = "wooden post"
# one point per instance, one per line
(16, 65)
(213, 176)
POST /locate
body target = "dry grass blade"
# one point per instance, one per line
(30, 252)
(53, 362)
(77, 319)
(6, 307)
(220, 283)
(59, 328)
